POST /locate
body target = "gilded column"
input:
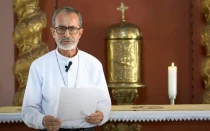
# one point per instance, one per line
(205, 41)
(27, 37)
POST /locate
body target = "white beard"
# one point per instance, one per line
(67, 46)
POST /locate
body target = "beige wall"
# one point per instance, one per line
(6, 53)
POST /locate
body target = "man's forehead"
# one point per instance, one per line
(66, 18)
(67, 14)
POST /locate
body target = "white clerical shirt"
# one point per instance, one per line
(45, 80)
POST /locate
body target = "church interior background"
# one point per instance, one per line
(172, 31)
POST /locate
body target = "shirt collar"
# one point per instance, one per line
(67, 59)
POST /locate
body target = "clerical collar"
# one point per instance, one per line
(67, 59)
(64, 58)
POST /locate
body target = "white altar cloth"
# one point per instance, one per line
(154, 116)
(10, 117)
(134, 116)
(134, 113)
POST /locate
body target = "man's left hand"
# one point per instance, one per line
(95, 118)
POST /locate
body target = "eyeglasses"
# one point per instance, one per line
(62, 29)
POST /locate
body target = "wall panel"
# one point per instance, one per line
(166, 31)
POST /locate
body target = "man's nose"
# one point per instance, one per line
(67, 34)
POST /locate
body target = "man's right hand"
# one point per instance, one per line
(51, 123)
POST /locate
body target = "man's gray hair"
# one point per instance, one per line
(66, 9)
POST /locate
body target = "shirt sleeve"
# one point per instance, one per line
(31, 108)
(104, 105)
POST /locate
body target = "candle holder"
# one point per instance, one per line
(172, 101)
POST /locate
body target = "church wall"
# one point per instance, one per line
(171, 33)
(48, 7)
(166, 39)
(6, 53)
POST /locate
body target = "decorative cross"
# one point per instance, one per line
(122, 8)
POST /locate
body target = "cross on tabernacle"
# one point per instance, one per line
(122, 8)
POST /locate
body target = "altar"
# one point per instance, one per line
(133, 118)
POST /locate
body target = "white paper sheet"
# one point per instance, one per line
(78, 103)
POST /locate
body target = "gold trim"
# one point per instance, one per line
(184, 107)
(10, 109)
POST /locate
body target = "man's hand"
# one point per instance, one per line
(95, 118)
(51, 123)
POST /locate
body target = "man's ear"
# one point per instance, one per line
(52, 31)
(81, 32)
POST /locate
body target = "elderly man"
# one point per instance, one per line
(68, 67)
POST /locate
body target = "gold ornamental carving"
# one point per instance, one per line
(124, 96)
(121, 127)
(27, 37)
(123, 44)
(205, 41)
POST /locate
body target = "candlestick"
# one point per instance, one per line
(172, 83)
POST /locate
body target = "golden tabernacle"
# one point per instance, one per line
(123, 44)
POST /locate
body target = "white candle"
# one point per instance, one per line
(172, 81)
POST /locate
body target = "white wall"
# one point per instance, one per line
(6, 53)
